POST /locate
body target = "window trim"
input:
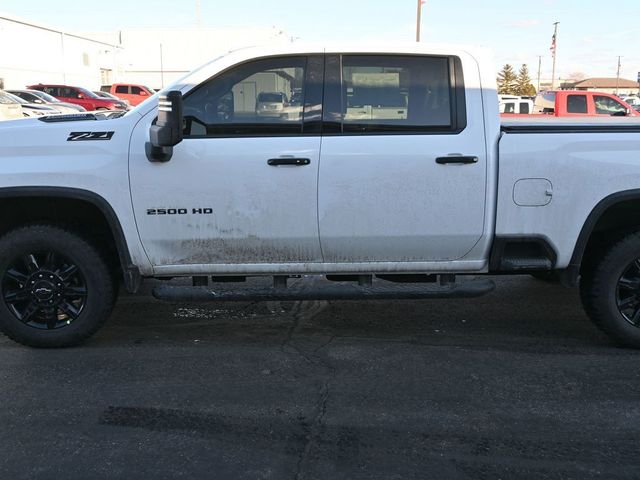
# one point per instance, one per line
(333, 99)
(311, 124)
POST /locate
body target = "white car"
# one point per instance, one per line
(9, 108)
(409, 199)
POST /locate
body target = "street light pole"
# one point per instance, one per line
(418, 20)
(554, 47)
(539, 69)
(618, 76)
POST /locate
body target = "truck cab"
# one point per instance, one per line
(579, 103)
(135, 94)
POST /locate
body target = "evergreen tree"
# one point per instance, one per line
(507, 81)
(524, 87)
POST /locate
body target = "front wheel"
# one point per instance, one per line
(610, 291)
(56, 289)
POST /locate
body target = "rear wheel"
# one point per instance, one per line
(610, 291)
(56, 289)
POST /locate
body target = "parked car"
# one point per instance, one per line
(271, 104)
(80, 96)
(41, 98)
(578, 103)
(9, 108)
(32, 109)
(112, 97)
(515, 104)
(132, 92)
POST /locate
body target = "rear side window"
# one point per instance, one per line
(54, 91)
(397, 94)
(122, 89)
(577, 104)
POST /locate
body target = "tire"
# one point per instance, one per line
(610, 291)
(55, 287)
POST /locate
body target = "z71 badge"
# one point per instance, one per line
(80, 136)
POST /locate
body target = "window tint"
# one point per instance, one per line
(524, 108)
(54, 91)
(135, 90)
(395, 93)
(608, 106)
(577, 104)
(122, 89)
(510, 107)
(252, 98)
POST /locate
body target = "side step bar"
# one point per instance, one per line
(469, 289)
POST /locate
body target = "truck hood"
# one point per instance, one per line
(74, 134)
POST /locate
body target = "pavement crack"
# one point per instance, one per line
(313, 435)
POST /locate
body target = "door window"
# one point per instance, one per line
(262, 97)
(122, 89)
(385, 94)
(608, 106)
(136, 90)
(577, 104)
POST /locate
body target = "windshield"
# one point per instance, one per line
(45, 96)
(4, 98)
(15, 98)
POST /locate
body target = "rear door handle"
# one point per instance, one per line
(460, 159)
(298, 162)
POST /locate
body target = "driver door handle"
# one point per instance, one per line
(298, 162)
(460, 159)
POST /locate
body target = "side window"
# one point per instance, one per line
(524, 108)
(608, 106)
(260, 97)
(382, 94)
(135, 90)
(577, 104)
(52, 91)
(122, 89)
(510, 107)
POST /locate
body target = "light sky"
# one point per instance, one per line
(591, 35)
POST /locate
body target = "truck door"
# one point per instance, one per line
(403, 165)
(242, 185)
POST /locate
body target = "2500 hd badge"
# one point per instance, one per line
(179, 211)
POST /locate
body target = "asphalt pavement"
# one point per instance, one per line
(516, 384)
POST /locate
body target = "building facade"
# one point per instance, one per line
(33, 53)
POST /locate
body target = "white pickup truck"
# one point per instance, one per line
(387, 171)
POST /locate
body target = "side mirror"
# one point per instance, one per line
(80, 96)
(167, 131)
(143, 93)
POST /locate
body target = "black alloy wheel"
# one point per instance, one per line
(44, 290)
(57, 288)
(610, 289)
(628, 293)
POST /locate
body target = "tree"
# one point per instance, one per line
(507, 80)
(524, 87)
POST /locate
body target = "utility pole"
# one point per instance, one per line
(618, 76)
(539, 69)
(418, 20)
(554, 48)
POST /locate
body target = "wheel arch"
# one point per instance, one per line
(131, 273)
(605, 218)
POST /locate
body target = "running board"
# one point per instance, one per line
(469, 289)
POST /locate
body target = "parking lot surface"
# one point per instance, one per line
(516, 384)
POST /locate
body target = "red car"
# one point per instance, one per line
(132, 92)
(579, 103)
(80, 96)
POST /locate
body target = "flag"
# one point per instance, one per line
(553, 45)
